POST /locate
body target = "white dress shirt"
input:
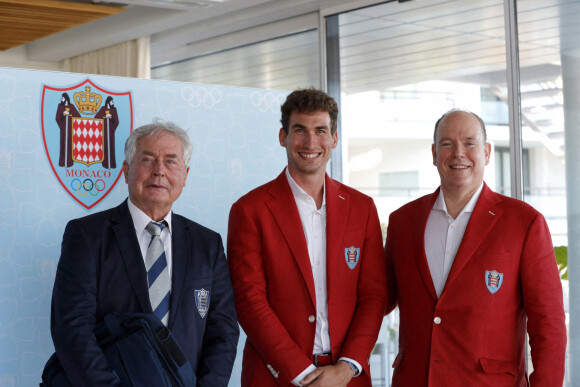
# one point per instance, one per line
(314, 226)
(140, 221)
(313, 222)
(443, 236)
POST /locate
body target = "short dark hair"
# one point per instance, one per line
(481, 123)
(309, 100)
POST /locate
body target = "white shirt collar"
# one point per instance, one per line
(141, 220)
(300, 194)
(441, 206)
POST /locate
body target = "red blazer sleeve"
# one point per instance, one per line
(255, 314)
(543, 303)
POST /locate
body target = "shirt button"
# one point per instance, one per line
(437, 320)
(311, 318)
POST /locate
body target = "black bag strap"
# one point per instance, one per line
(113, 324)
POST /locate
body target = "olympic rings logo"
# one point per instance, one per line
(88, 186)
(201, 96)
(267, 101)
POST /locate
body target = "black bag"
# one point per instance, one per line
(140, 350)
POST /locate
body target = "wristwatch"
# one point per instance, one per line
(352, 366)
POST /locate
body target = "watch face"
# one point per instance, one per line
(352, 366)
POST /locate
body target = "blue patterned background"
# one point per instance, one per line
(235, 137)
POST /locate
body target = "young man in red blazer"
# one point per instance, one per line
(469, 268)
(305, 255)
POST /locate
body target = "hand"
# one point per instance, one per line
(337, 375)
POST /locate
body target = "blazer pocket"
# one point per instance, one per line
(398, 360)
(197, 283)
(494, 366)
(490, 258)
(354, 237)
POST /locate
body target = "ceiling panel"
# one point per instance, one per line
(22, 21)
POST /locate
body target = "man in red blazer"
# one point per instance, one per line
(305, 255)
(469, 268)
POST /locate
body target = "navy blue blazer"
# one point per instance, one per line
(101, 270)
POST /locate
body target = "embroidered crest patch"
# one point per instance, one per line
(202, 301)
(352, 256)
(493, 280)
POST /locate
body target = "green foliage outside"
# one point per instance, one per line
(562, 260)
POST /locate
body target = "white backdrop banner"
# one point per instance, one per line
(61, 152)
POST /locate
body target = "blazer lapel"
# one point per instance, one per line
(337, 210)
(482, 220)
(284, 210)
(182, 249)
(124, 231)
(419, 249)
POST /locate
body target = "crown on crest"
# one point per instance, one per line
(87, 102)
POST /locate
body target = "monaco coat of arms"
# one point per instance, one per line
(84, 128)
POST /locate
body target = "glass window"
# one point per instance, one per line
(502, 170)
(403, 64)
(280, 64)
(550, 97)
(547, 30)
(392, 183)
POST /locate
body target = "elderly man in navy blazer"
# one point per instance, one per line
(104, 268)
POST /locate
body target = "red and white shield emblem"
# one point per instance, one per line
(87, 140)
(84, 128)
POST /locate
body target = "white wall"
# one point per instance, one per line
(17, 58)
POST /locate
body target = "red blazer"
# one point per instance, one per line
(274, 285)
(471, 336)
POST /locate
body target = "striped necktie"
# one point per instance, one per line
(157, 273)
